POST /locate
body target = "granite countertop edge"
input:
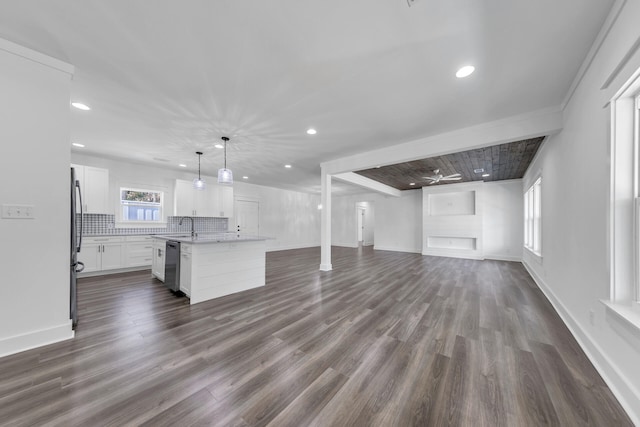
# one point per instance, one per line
(203, 238)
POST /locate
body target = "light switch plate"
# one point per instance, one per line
(18, 211)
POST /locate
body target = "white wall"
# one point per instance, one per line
(453, 223)
(573, 271)
(290, 217)
(397, 220)
(344, 218)
(503, 220)
(34, 170)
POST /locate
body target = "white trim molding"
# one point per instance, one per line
(624, 391)
(33, 339)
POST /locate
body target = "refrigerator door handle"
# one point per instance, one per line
(79, 267)
(81, 216)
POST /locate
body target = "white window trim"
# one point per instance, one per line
(624, 208)
(529, 230)
(120, 223)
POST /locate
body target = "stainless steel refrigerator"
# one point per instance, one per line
(76, 244)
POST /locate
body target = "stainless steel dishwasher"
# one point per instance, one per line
(172, 265)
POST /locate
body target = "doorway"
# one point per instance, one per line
(247, 215)
(365, 223)
(361, 222)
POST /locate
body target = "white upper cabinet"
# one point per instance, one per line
(213, 201)
(94, 184)
(225, 198)
(185, 199)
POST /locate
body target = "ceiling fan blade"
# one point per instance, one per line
(430, 177)
(446, 178)
(453, 175)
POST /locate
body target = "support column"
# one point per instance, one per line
(325, 223)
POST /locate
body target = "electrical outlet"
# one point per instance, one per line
(18, 211)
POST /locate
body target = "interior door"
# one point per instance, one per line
(360, 213)
(247, 215)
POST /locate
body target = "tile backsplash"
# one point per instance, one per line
(106, 224)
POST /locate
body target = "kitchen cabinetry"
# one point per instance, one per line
(94, 183)
(225, 201)
(102, 253)
(139, 251)
(157, 262)
(185, 268)
(213, 201)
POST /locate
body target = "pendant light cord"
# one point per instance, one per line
(199, 155)
(225, 139)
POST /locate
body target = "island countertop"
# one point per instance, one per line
(201, 238)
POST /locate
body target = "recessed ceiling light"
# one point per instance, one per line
(287, 166)
(311, 131)
(412, 183)
(245, 177)
(484, 175)
(479, 170)
(182, 165)
(81, 106)
(465, 71)
(77, 144)
(219, 146)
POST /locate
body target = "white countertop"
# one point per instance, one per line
(211, 237)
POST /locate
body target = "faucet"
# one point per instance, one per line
(193, 233)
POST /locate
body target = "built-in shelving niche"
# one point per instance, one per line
(458, 243)
(451, 204)
(452, 221)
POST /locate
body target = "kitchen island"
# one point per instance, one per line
(213, 265)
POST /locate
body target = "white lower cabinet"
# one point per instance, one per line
(185, 268)
(139, 251)
(158, 258)
(102, 253)
(105, 254)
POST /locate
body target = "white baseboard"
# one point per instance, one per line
(344, 245)
(610, 373)
(503, 258)
(114, 271)
(33, 339)
(454, 254)
(326, 267)
(396, 249)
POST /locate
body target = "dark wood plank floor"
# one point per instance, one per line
(386, 339)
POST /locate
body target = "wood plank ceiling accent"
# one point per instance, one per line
(501, 162)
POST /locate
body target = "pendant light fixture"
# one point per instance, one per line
(225, 176)
(199, 183)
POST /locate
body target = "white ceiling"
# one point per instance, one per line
(168, 78)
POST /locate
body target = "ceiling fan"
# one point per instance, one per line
(437, 177)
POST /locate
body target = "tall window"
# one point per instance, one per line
(532, 218)
(141, 205)
(636, 145)
(624, 214)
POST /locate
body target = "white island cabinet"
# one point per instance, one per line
(215, 265)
